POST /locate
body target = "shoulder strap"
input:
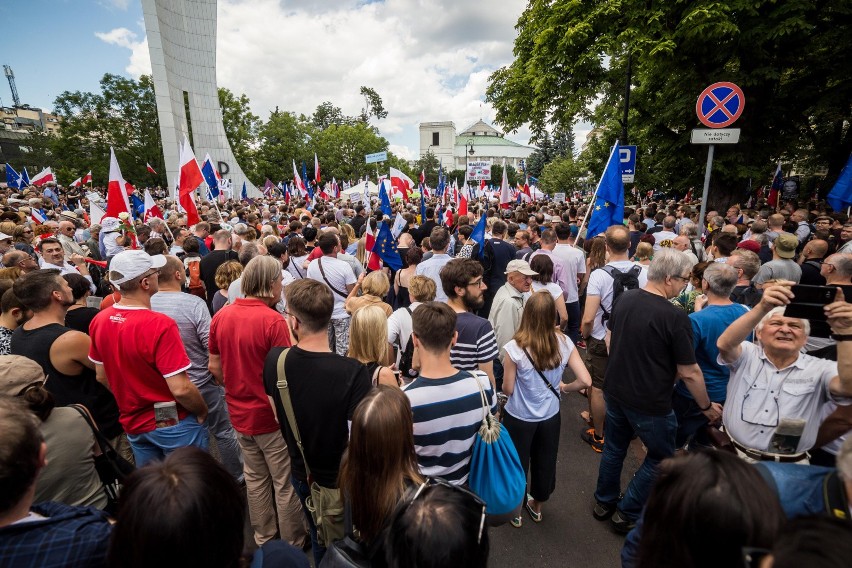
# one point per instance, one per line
(540, 374)
(299, 272)
(333, 289)
(287, 403)
(376, 375)
(834, 496)
(100, 439)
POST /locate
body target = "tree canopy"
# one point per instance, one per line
(571, 59)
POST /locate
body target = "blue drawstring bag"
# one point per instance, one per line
(496, 474)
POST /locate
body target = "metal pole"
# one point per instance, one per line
(701, 221)
(626, 99)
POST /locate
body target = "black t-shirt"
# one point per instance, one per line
(212, 261)
(80, 318)
(650, 337)
(325, 389)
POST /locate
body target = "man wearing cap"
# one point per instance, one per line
(139, 354)
(507, 308)
(782, 266)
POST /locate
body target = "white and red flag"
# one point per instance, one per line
(505, 193)
(150, 169)
(297, 181)
(316, 170)
(463, 200)
(401, 183)
(43, 177)
(373, 262)
(190, 178)
(117, 193)
(151, 209)
(87, 178)
(76, 183)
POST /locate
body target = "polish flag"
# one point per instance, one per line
(190, 178)
(151, 209)
(76, 183)
(373, 260)
(401, 183)
(150, 169)
(45, 176)
(87, 178)
(297, 181)
(527, 194)
(505, 193)
(482, 186)
(423, 177)
(117, 189)
(316, 170)
(37, 217)
(463, 200)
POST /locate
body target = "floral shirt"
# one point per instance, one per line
(5, 341)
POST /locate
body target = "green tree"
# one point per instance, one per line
(241, 128)
(123, 115)
(282, 139)
(571, 61)
(372, 105)
(342, 149)
(511, 173)
(428, 164)
(327, 115)
(564, 174)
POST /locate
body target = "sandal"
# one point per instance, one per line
(517, 522)
(536, 517)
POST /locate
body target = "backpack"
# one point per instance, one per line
(621, 281)
(195, 284)
(407, 358)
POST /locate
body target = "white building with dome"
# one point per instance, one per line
(453, 149)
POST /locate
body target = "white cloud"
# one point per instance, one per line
(427, 60)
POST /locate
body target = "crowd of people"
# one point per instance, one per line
(251, 363)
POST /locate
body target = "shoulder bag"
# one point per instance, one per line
(540, 374)
(112, 468)
(346, 552)
(324, 503)
(496, 474)
(333, 289)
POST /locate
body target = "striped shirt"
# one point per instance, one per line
(476, 342)
(447, 415)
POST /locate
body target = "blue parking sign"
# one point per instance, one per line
(627, 160)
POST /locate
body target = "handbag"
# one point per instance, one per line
(111, 467)
(324, 503)
(346, 552)
(540, 374)
(496, 474)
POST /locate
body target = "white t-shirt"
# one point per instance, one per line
(399, 327)
(551, 287)
(600, 284)
(339, 274)
(575, 263)
(661, 236)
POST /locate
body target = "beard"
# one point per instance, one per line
(473, 303)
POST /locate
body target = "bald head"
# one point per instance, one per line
(816, 248)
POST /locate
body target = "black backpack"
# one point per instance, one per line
(621, 281)
(407, 358)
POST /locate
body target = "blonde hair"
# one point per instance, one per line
(361, 251)
(422, 288)
(259, 275)
(368, 335)
(644, 251)
(347, 229)
(376, 284)
(537, 332)
(227, 273)
(269, 240)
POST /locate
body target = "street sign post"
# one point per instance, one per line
(718, 106)
(627, 160)
(377, 157)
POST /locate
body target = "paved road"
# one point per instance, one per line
(568, 534)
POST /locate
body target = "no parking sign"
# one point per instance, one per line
(720, 105)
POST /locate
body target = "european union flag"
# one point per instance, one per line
(13, 178)
(305, 181)
(478, 235)
(385, 247)
(422, 203)
(211, 178)
(840, 196)
(137, 206)
(244, 194)
(385, 205)
(441, 183)
(25, 178)
(608, 209)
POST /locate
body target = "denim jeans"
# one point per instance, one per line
(657, 434)
(219, 424)
(304, 491)
(574, 317)
(160, 442)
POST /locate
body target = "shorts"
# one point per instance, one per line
(595, 358)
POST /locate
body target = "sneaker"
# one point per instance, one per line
(621, 523)
(590, 438)
(603, 511)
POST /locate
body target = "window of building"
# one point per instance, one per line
(436, 136)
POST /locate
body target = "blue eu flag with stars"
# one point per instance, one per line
(385, 205)
(608, 208)
(385, 247)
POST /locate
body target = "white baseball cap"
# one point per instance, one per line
(518, 265)
(130, 264)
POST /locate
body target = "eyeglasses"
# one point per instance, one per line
(432, 481)
(684, 278)
(154, 272)
(287, 313)
(826, 263)
(477, 283)
(28, 231)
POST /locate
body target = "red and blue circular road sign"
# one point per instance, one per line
(720, 105)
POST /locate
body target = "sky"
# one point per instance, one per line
(429, 60)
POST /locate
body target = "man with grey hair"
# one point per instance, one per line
(158, 228)
(714, 312)
(776, 393)
(682, 243)
(651, 348)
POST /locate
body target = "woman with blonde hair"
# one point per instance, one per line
(346, 229)
(533, 365)
(380, 462)
(373, 288)
(595, 259)
(644, 253)
(368, 343)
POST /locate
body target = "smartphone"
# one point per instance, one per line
(808, 301)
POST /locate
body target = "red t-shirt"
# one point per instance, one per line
(242, 334)
(139, 350)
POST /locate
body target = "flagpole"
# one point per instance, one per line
(595, 195)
